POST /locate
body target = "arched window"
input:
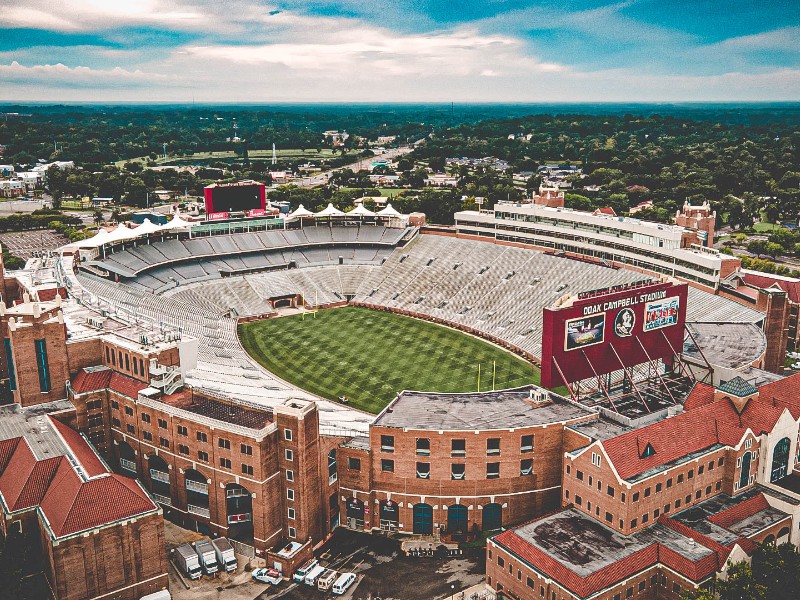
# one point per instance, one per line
(423, 519)
(744, 476)
(780, 460)
(457, 519)
(492, 517)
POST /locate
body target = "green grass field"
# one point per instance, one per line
(370, 355)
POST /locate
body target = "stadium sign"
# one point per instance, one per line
(610, 331)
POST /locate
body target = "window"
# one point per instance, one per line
(162, 423)
(610, 491)
(226, 444)
(718, 486)
(634, 523)
(115, 405)
(688, 499)
(667, 508)
(748, 443)
(492, 446)
(423, 470)
(590, 480)
(579, 475)
(708, 490)
(287, 435)
(387, 443)
(526, 443)
(568, 469)
(147, 436)
(127, 362)
(115, 422)
(578, 500)
(289, 475)
(246, 449)
(617, 597)
(676, 589)
(290, 513)
(647, 492)
(658, 487)
(669, 483)
(492, 470)
(690, 474)
(680, 478)
(292, 532)
(458, 471)
(202, 456)
(354, 464)
(698, 494)
(290, 494)
(202, 437)
(458, 448)
(629, 592)
(622, 497)
(182, 449)
(645, 517)
(648, 451)
(145, 418)
(136, 367)
(656, 512)
(96, 405)
(529, 583)
(654, 580)
(131, 429)
(701, 469)
(183, 430)
(95, 421)
(423, 447)
(642, 585)
(225, 463)
(247, 469)
(526, 466)
(596, 459)
(164, 442)
(721, 461)
(129, 411)
(501, 562)
(609, 517)
(387, 465)
(635, 496)
(42, 365)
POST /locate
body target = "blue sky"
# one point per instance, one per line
(406, 50)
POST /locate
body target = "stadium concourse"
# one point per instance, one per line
(205, 285)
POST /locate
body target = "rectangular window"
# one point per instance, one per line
(183, 449)
(647, 492)
(162, 423)
(136, 367)
(288, 454)
(635, 496)
(354, 464)
(656, 512)
(115, 421)
(290, 494)
(492, 470)
(492, 446)
(202, 456)
(130, 428)
(579, 475)
(12, 375)
(129, 411)
(423, 447)
(526, 466)
(658, 487)
(423, 470)
(634, 523)
(183, 430)
(147, 436)
(645, 517)
(526, 443)
(164, 442)
(127, 363)
(691, 474)
(680, 478)
(642, 585)
(292, 532)
(95, 421)
(225, 463)
(223, 443)
(42, 365)
(387, 465)
(458, 448)
(202, 436)
(287, 435)
(629, 592)
(610, 491)
(115, 405)
(669, 483)
(289, 475)
(290, 513)
(387, 443)
(458, 471)
(145, 418)
(247, 469)
(609, 517)
(501, 562)
(247, 449)
(700, 469)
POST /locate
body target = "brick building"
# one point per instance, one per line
(700, 220)
(661, 509)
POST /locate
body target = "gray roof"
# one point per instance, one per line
(504, 409)
(32, 424)
(585, 546)
(732, 345)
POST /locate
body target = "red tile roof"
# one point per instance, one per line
(127, 386)
(741, 511)
(90, 381)
(80, 449)
(7, 448)
(25, 480)
(701, 394)
(765, 281)
(695, 430)
(45, 295)
(72, 506)
(783, 393)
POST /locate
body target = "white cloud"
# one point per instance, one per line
(60, 75)
(785, 39)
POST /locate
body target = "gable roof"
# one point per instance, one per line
(25, 480)
(766, 281)
(90, 380)
(80, 449)
(738, 387)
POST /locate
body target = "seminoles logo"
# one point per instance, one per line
(623, 324)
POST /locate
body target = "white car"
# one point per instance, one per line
(268, 575)
(796, 365)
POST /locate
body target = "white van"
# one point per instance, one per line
(326, 580)
(300, 575)
(345, 581)
(313, 575)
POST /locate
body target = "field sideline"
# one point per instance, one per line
(370, 355)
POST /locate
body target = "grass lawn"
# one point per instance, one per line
(287, 154)
(370, 355)
(764, 227)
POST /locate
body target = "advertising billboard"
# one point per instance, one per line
(235, 197)
(599, 333)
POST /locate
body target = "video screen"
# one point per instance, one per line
(662, 313)
(236, 198)
(585, 331)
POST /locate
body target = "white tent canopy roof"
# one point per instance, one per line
(176, 223)
(95, 241)
(120, 234)
(300, 211)
(361, 211)
(146, 228)
(330, 211)
(389, 211)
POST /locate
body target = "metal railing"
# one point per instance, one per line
(159, 475)
(197, 486)
(166, 500)
(128, 465)
(198, 510)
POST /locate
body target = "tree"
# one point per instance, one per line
(741, 584)
(98, 217)
(437, 163)
(778, 569)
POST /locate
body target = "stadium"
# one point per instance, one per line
(272, 378)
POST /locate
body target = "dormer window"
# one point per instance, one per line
(648, 451)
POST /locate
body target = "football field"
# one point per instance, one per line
(369, 356)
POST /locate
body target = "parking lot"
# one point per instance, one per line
(382, 569)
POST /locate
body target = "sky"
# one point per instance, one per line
(268, 51)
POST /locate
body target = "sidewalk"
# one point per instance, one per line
(481, 590)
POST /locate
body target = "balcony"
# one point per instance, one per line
(165, 500)
(199, 511)
(197, 486)
(157, 475)
(128, 465)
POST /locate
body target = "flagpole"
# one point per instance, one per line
(479, 377)
(494, 373)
